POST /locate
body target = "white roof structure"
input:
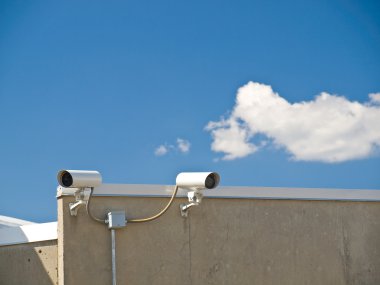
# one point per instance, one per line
(6, 222)
(28, 233)
(16, 231)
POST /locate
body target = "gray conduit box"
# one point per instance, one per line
(116, 220)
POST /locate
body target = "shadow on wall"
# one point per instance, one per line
(29, 263)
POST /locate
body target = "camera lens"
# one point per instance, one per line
(67, 179)
(210, 181)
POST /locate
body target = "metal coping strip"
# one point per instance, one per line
(232, 192)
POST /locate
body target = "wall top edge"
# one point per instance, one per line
(232, 192)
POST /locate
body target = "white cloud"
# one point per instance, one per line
(375, 98)
(183, 145)
(161, 150)
(329, 128)
(230, 138)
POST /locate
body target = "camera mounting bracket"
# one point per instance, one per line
(81, 197)
(195, 198)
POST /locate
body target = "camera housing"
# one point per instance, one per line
(79, 178)
(195, 182)
(198, 180)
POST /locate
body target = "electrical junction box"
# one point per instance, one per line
(116, 220)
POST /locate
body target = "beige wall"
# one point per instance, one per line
(30, 263)
(224, 241)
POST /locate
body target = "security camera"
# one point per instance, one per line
(195, 181)
(79, 178)
(198, 180)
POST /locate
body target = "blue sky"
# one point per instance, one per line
(103, 84)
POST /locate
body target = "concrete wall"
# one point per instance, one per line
(223, 241)
(29, 263)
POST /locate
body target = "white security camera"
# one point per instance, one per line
(198, 180)
(195, 181)
(79, 178)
